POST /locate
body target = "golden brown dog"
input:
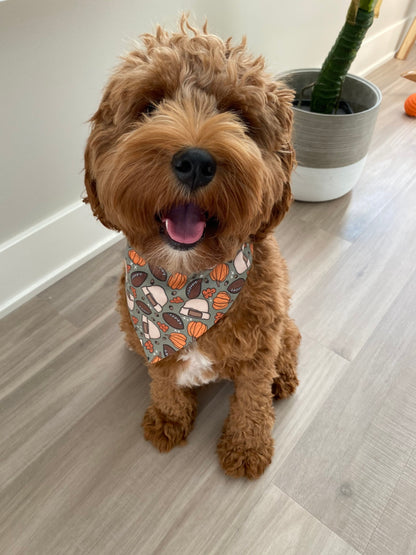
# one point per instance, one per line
(190, 157)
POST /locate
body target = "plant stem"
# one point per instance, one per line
(328, 86)
(367, 5)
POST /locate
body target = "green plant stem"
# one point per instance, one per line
(327, 89)
(367, 5)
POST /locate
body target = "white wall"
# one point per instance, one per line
(294, 34)
(55, 56)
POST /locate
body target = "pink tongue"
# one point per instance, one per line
(185, 224)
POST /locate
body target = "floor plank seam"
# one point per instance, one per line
(35, 369)
(388, 307)
(248, 510)
(317, 408)
(316, 518)
(49, 446)
(376, 527)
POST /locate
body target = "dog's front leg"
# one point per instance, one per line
(170, 417)
(246, 445)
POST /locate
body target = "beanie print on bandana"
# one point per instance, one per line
(170, 311)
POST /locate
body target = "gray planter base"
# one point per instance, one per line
(331, 149)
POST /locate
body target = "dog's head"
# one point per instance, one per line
(190, 150)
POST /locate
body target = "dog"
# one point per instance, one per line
(190, 156)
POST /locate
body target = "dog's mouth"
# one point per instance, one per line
(184, 226)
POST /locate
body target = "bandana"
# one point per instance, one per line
(171, 310)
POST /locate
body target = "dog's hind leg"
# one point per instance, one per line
(286, 381)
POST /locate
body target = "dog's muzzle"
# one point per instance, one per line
(194, 167)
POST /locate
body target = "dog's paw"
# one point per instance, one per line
(239, 460)
(284, 385)
(162, 432)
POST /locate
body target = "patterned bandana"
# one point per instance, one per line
(170, 311)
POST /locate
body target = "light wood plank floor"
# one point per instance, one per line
(77, 475)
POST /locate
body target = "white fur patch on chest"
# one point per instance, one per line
(196, 369)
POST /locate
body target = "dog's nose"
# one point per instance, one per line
(194, 167)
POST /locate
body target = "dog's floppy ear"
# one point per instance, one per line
(278, 211)
(280, 100)
(91, 197)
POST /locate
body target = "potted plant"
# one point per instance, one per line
(334, 114)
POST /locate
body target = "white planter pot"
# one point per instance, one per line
(331, 149)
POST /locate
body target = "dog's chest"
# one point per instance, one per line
(195, 368)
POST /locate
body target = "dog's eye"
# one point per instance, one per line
(148, 109)
(243, 118)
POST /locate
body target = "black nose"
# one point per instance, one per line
(194, 167)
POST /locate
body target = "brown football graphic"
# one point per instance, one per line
(137, 278)
(168, 350)
(158, 272)
(236, 286)
(173, 320)
(193, 289)
(143, 307)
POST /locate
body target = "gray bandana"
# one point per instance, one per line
(170, 311)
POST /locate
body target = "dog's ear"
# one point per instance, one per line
(90, 182)
(277, 213)
(280, 100)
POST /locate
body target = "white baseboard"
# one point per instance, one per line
(379, 48)
(44, 253)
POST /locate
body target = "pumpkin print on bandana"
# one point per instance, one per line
(170, 311)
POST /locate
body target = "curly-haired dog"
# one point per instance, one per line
(190, 157)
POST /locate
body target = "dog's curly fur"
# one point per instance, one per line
(191, 89)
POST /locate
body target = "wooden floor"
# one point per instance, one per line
(77, 475)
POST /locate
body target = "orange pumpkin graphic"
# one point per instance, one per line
(136, 258)
(156, 359)
(177, 280)
(221, 300)
(196, 329)
(178, 339)
(219, 273)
